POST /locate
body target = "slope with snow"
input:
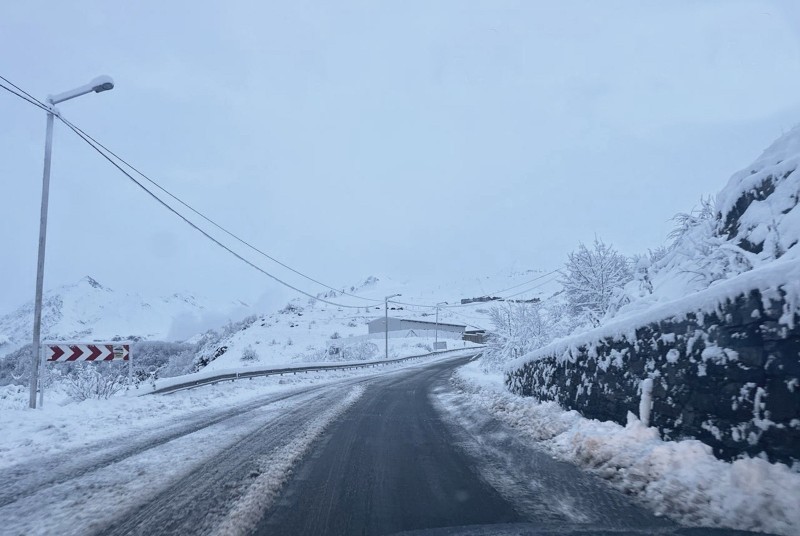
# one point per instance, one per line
(306, 329)
(754, 223)
(87, 310)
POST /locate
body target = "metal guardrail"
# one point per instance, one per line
(233, 376)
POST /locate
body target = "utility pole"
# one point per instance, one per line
(436, 333)
(102, 83)
(386, 322)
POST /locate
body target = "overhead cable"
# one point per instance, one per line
(96, 145)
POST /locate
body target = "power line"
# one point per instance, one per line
(201, 231)
(91, 141)
(521, 284)
(531, 288)
(97, 146)
(86, 139)
(492, 294)
(212, 222)
(23, 97)
(19, 89)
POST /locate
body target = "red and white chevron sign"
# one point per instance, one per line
(87, 352)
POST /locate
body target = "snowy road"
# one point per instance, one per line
(398, 461)
(364, 455)
(181, 478)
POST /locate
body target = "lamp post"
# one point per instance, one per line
(436, 333)
(386, 322)
(99, 84)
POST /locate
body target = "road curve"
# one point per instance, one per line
(392, 464)
(364, 455)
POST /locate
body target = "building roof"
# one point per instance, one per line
(420, 321)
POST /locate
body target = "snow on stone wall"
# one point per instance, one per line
(726, 373)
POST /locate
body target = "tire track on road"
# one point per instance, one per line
(23, 480)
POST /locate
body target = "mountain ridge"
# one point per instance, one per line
(87, 309)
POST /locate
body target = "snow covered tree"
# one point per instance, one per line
(520, 328)
(592, 278)
(699, 246)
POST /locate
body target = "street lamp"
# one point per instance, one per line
(436, 337)
(99, 84)
(386, 321)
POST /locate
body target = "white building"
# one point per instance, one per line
(403, 327)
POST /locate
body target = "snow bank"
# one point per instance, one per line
(680, 479)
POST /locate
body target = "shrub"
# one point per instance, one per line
(248, 354)
(94, 381)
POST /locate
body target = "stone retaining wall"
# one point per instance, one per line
(730, 378)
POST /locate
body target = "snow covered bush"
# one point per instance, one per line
(15, 367)
(702, 250)
(593, 278)
(161, 359)
(94, 380)
(13, 397)
(209, 345)
(248, 354)
(360, 351)
(291, 308)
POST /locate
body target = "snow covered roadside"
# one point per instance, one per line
(681, 480)
(62, 425)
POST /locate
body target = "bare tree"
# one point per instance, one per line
(592, 277)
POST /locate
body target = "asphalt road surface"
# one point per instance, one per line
(363, 455)
(392, 464)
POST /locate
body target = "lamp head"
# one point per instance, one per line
(102, 83)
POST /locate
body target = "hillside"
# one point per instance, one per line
(304, 329)
(87, 310)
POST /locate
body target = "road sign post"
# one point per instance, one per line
(92, 352)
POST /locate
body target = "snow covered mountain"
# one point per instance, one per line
(89, 310)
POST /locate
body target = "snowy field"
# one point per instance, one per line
(681, 480)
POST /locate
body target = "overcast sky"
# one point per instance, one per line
(420, 140)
